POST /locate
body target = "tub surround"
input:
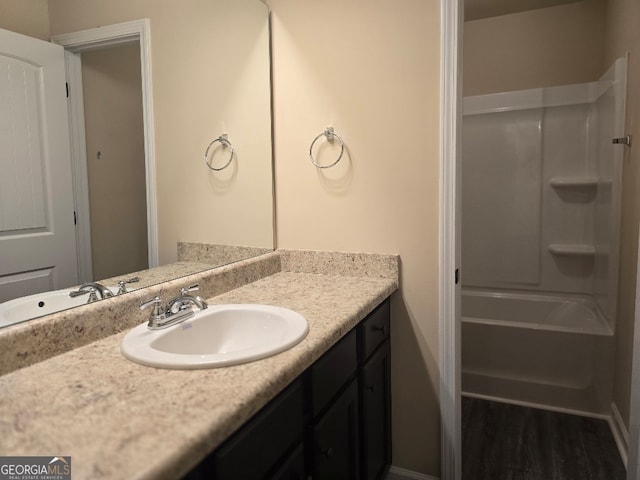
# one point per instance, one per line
(96, 406)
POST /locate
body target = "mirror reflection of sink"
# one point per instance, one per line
(219, 336)
(24, 308)
(45, 303)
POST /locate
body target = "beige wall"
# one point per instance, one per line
(370, 69)
(623, 35)
(210, 71)
(29, 17)
(117, 191)
(540, 48)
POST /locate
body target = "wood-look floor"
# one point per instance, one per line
(509, 442)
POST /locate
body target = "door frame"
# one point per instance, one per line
(93, 39)
(451, 16)
(451, 35)
(633, 454)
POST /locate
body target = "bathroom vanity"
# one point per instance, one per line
(333, 421)
(319, 408)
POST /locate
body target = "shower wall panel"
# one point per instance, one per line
(607, 122)
(501, 185)
(567, 208)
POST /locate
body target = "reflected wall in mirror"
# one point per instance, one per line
(210, 72)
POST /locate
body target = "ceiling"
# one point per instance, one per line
(477, 9)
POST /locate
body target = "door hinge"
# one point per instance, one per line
(67, 86)
(457, 276)
(75, 217)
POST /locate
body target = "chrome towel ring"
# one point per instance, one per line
(330, 135)
(224, 140)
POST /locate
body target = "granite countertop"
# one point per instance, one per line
(117, 419)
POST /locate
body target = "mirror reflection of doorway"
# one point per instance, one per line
(114, 130)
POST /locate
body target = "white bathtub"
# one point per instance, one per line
(536, 349)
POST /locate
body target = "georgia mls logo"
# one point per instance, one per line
(59, 463)
(35, 468)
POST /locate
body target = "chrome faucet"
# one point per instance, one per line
(184, 300)
(95, 290)
(178, 309)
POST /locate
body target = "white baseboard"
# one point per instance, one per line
(397, 473)
(620, 433)
(539, 406)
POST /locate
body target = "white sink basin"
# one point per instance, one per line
(218, 336)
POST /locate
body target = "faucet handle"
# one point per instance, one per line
(157, 313)
(156, 302)
(93, 295)
(192, 288)
(122, 284)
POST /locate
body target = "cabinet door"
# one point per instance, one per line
(258, 446)
(333, 370)
(335, 439)
(376, 415)
(293, 467)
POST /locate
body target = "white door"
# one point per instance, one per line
(37, 231)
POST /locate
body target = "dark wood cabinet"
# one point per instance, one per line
(293, 467)
(333, 422)
(374, 330)
(254, 451)
(375, 395)
(336, 439)
(331, 372)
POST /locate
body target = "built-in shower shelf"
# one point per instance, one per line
(573, 182)
(571, 249)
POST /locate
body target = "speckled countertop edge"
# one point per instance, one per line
(118, 419)
(34, 341)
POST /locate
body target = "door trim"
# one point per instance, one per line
(449, 295)
(633, 455)
(112, 35)
(79, 167)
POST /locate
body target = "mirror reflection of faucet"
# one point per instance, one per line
(95, 290)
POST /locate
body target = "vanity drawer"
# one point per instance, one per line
(259, 445)
(333, 370)
(375, 329)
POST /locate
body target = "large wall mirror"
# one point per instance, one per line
(147, 202)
